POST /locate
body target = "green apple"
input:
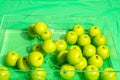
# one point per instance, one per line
(31, 33)
(11, 58)
(89, 50)
(75, 47)
(71, 37)
(99, 40)
(35, 59)
(95, 60)
(38, 74)
(61, 57)
(39, 28)
(91, 72)
(93, 31)
(46, 34)
(74, 56)
(49, 46)
(60, 45)
(108, 74)
(81, 65)
(67, 71)
(84, 39)
(4, 73)
(103, 51)
(22, 63)
(78, 29)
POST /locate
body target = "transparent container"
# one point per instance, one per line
(14, 37)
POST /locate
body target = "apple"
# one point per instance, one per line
(46, 34)
(91, 72)
(103, 51)
(89, 50)
(11, 58)
(22, 63)
(108, 74)
(4, 73)
(84, 39)
(71, 37)
(67, 71)
(61, 57)
(39, 28)
(99, 40)
(35, 59)
(60, 45)
(49, 46)
(81, 65)
(38, 74)
(75, 47)
(95, 60)
(94, 30)
(74, 56)
(78, 29)
(31, 32)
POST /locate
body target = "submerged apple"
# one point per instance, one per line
(84, 39)
(95, 60)
(38, 74)
(93, 31)
(4, 73)
(82, 64)
(103, 51)
(11, 58)
(67, 72)
(31, 33)
(78, 29)
(108, 74)
(39, 28)
(91, 72)
(35, 59)
(71, 37)
(74, 56)
(22, 63)
(60, 45)
(49, 46)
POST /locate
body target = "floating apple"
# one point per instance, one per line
(11, 58)
(78, 29)
(4, 73)
(31, 33)
(49, 46)
(89, 50)
(61, 57)
(82, 64)
(91, 72)
(103, 51)
(93, 31)
(46, 34)
(84, 39)
(71, 37)
(60, 45)
(38, 74)
(74, 56)
(67, 72)
(35, 59)
(22, 63)
(99, 40)
(39, 28)
(95, 60)
(108, 74)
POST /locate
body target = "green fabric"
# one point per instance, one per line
(102, 8)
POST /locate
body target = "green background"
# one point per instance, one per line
(108, 8)
(102, 8)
